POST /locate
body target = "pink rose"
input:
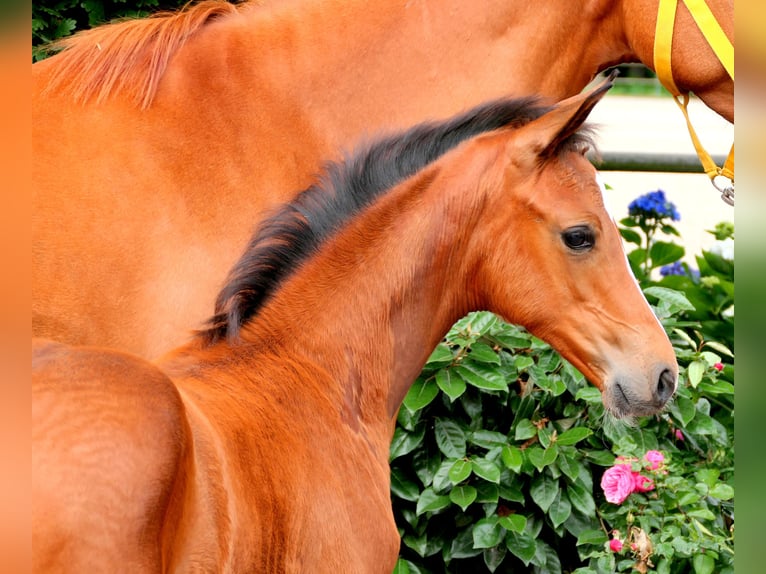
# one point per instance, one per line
(617, 483)
(679, 435)
(655, 458)
(718, 366)
(615, 545)
(642, 483)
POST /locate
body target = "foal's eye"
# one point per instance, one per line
(579, 238)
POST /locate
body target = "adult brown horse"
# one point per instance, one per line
(262, 445)
(189, 128)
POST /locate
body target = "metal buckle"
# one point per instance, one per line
(726, 189)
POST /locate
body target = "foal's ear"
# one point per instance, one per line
(544, 135)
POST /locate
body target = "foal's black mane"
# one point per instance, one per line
(346, 187)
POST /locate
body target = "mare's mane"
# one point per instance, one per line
(130, 54)
(346, 187)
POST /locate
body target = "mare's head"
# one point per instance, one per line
(552, 260)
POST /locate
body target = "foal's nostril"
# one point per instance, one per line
(665, 386)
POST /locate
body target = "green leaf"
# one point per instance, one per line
(460, 471)
(708, 476)
(702, 514)
(513, 522)
(569, 464)
(723, 349)
(683, 409)
(560, 509)
(702, 424)
(522, 545)
(723, 266)
(487, 493)
(483, 353)
(717, 388)
(408, 419)
(525, 430)
(663, 253)
(553, 384)
(630, 236)
(573, 436)
(463, 496)
(541, 458)
(482, 321)
(581, 499)
(512, 458)
(405, 442)
(452, 385)
(688, 498)
(547, 559)
(402, 487)
(425, 463)
(450, 438)
(429, 501)
(600, 457)
(543, 491)
(493, 557)
(703, 564)
(684, 547)
(462, 545)
(441, 481)
(481, 376)
(589, 395)
(595, 537)
(522, 362)
(488, 439)
(629, 222)
(636, 259)
(441, 356)
(420, 395)
(418, 543)
(695, 371)
(487, 533)
(545, 436)
(710, 358)
(722, 491)
(402, 567)
(674, 300)
(486, 469)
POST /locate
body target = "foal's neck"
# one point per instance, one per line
(372, 304)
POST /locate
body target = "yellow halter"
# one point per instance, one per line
(723, 49)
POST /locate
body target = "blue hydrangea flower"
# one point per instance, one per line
(679, 268)
(654, 205)
(673, 269)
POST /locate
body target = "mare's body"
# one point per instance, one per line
(149, 177)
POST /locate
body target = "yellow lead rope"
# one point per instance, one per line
(724, 51)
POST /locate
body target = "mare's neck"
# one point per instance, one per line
(359, 66)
